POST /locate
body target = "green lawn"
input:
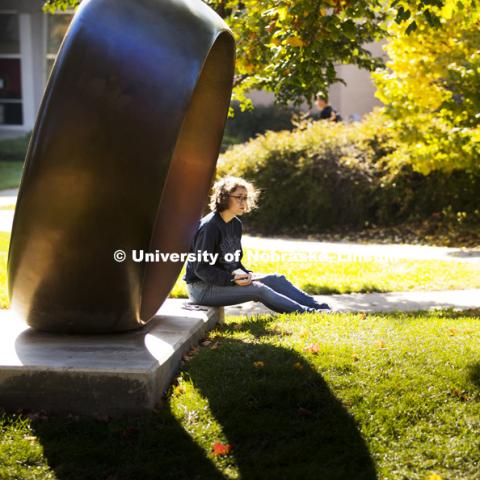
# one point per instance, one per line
(4, 242)
(324, 397)
(10, 174)
(365, 275)
(339, 276)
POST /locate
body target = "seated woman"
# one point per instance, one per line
(220, 278)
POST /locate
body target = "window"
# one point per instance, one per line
(57, 26)
(11, 112)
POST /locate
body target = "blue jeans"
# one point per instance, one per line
(274, 291)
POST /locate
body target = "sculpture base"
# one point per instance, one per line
(97, 375)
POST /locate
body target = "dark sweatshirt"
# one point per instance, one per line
(215, 236)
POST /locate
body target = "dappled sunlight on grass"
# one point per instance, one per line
(308, 396)
(405, 378)
(363, 276)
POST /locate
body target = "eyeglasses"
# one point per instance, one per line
(240, 198)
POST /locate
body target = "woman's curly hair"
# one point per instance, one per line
(223, 188)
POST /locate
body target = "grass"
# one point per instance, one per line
(333, 275)
(328, 277)
(12, 156)
(14, 149)
(342, 396)
(10, 174)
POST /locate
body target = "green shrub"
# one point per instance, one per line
(246, 125)
(326, 175)
(410, 195)
(10, 174)
(14, 149)
(311, 178)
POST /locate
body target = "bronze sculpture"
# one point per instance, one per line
(121, 158)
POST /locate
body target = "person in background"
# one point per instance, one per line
(326, 111)
(227, 281)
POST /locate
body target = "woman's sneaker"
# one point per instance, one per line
(322, 308)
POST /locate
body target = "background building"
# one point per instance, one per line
(29, 41)
(353, 100)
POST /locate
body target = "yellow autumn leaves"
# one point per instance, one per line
(430, 90)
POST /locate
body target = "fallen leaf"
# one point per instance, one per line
(461, 394)
(179, 390)
(258, 364)
(313, 348)
(221, 448)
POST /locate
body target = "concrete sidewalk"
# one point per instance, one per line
(371, 302)
(381, 302)
(7, 198)
(312, 250)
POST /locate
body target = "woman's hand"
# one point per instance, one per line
(243, 279)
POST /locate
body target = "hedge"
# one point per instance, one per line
(327, 175)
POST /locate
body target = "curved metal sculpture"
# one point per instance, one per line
(121, 158)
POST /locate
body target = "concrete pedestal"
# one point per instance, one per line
(97, 374)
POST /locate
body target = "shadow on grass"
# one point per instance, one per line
(281, 418)
(151, 446)
(315, 289)
(473, 253)
(474, 374)
(447, 313)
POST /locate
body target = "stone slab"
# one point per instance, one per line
(98, 375)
